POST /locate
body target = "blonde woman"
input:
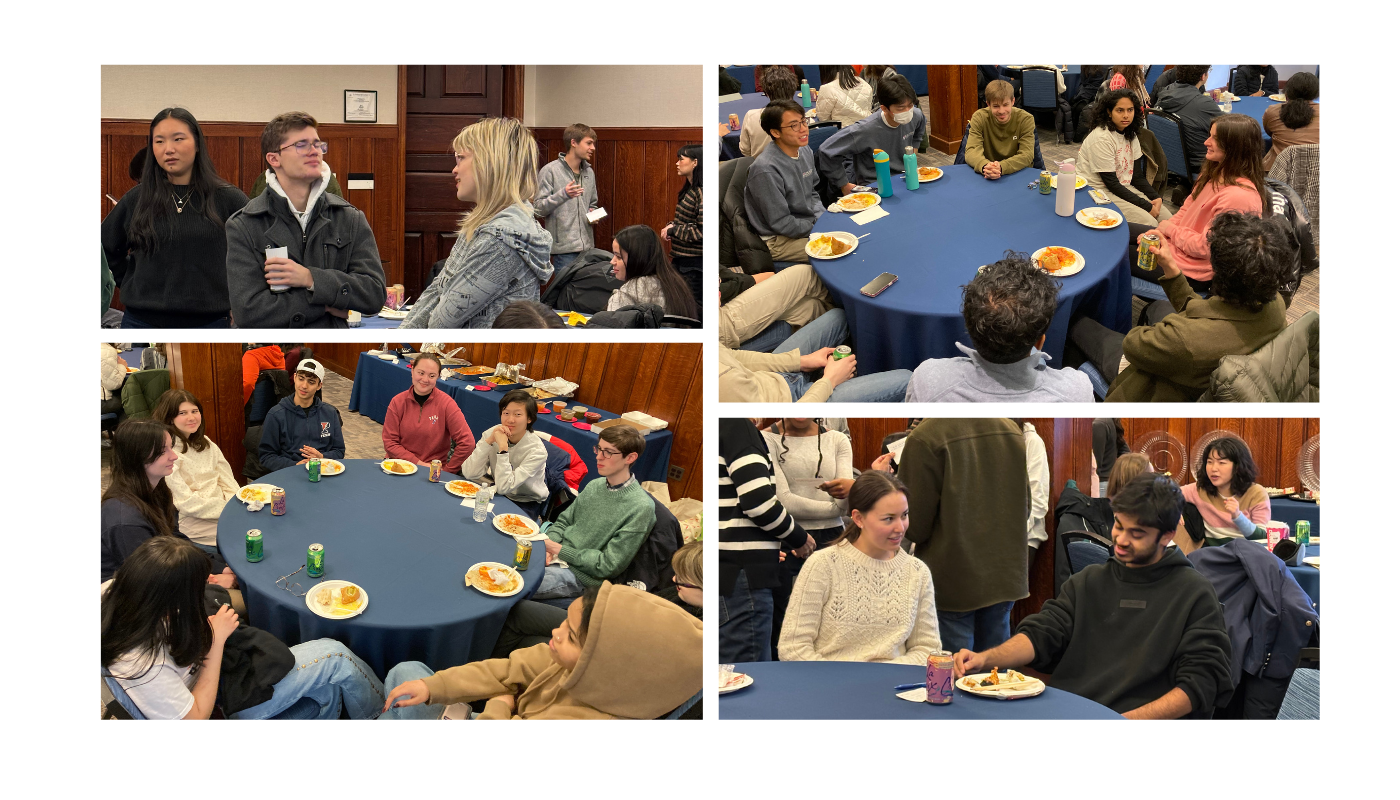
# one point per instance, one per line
(502, 253)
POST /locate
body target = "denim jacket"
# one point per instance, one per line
(506, 260)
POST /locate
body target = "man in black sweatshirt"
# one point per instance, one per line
(1142, 634)
(753, 526)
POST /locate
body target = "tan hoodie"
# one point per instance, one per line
(641, 659)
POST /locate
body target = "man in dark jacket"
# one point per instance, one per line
(969, 499)
(1196, 111)
(1164, 80)
(1142, 634)
(301, 427)
(1255, 80)
(331, 265)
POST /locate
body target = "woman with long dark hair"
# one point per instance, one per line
(844, 97)
(640, 262)
(1298, 120)
(202, 481)
(138, 504)
(685, 232)
(1232, 505)
(1130, 77)
(1231, 179)
(165, 239)
(166, 653)
(862, 598)
(1111, 157)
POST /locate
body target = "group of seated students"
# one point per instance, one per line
(1223, 240)
(213, 268)
(854, 592)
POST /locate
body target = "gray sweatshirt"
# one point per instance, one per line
(781, 194)
(974, 379)
(565, 217)
(855, 143)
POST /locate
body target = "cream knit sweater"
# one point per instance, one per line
(847, 606)
(201, 484)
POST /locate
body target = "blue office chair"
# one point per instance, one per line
(1096, 378)
(1167, 128)
(1153, 73)
(1038, 92)
(1085, 549)
(1301, 701)
(961, 157)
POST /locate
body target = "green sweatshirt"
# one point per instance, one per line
(602, 529)
(1012, 143)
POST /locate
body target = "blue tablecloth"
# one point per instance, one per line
(846, 690)
(132, 357)
(1308, 577)
(1255, 107)
(937, 236)
(377, 381)
(729, 146)
(1290, 511)
(380, 322)
(406, 541)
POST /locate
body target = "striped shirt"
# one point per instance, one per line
(686, 227)
(753, 525)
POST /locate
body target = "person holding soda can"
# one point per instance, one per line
(423, 424)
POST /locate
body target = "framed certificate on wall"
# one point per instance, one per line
(361, 105)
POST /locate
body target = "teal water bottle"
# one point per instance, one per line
(882, 169)
(911, 169)
(806, 95)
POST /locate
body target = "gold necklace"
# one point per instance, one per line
(180, 201)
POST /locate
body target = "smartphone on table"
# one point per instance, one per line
(878, 285)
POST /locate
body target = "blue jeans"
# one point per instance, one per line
(829, 330)
(561, 260)
(558, 582)
(978, 630)
(130, 321)
(769, 338)
(746, 624)
(326, 673)
(403, 673)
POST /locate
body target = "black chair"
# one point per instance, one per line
(678, 321)
(1230, 87)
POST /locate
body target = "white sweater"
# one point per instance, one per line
(795, 469)
(201, 484)
(847, 606)
(517, 473)
(846, 106)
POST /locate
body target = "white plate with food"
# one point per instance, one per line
(1011, 685)
(397, 466)
(831, 245)
(737, 681)
(391, 313)
(929, 174)
(462, 488)
(329, 466)
(859, 201)
(1098, 218)
(495, 579)
(1079, 182)
(1278, 98)
(1061, 255)
(256, 493)
(337, 599)
(518, 526)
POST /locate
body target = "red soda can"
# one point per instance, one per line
(939, 680)
(279, 502)
(434, 471)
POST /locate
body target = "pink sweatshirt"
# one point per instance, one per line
(425, 433)
(1185, 232)
(1254, 504)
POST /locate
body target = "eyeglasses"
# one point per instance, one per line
(799, 125)
(604, 452)
(284, 582)
(685, 585)
(303, 147)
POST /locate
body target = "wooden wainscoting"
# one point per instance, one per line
(214, 374)
(1274, 443)
(236, 150)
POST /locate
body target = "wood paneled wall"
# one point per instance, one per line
(636, 169)
(214, 374)
(1274, 443)
(236, 150)
(663, 380)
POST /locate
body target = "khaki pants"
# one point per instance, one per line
(796, 296)
(1132, 213)
(781, 248)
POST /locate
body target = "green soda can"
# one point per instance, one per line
(254, 548)
(313, 470)
(1045, 186)
(1302, 531)
(1147, 260)
(315, 561)
(523, 550)
(841, 352)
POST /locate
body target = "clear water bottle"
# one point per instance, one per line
(483, 503)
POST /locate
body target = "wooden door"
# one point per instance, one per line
(440, 101)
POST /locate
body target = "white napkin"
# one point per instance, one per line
(256, 505)
(919, 695)
(897, 447)
(556, 386)
(498, 576)
(470, 502)
(869, 215)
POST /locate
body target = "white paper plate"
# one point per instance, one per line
(1278, 98)
(744, 681)
(266, 487)
(413, 466)
(1067, 271)
(848, 238)
(389, 313)
(922, 179)
(1083, 215)
(338, 467)
(448, 486)
(534, 537)
(1313, 561)
(1017, 694)
(321, 611)
(859, 194)
(1079, 182)
(519, 580)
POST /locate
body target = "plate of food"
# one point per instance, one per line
(1272, 492)
(329, 466)
(858, 201)
(392, 313)
(500, 380)
(1102, 218)
(462, 488)
(1058, 261)
(1079, 182)
(927, 174)
(572, 318)
(470, 371)
(831, 245)
(337, 599)
(1009, 686)
(397, 466)
(737, 681)
(1278, 98)
(518, 526)
(256, 493)
(495, 579)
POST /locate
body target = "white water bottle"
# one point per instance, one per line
(1064, 189)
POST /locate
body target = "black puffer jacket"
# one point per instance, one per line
(739, 245)
(645, 315)
(254, 660)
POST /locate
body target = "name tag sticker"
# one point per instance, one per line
(1132, 604)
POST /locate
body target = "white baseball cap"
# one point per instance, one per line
(314, 367)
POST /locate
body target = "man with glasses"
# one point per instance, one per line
(331, 264)
(781, 193)
(596, 537)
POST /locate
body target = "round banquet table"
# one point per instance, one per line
(1309, 577)
(936, 237)
(1289, 510)
(852, 690)
(405, 541)
(729, 145)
